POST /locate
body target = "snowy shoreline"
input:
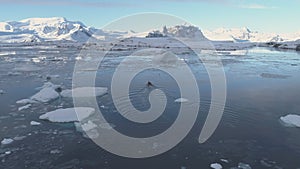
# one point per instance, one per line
(151, 43)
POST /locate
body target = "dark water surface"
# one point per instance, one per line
(262, 86)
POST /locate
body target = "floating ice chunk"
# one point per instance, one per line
(7, 53)
(89, 131)
(216, 166)
(24, 107)
(47, 93)
(84, 92)
(265, 163)
(36, 60)
(181, 100)
(224, 160)
(56, 151)
(68, 115)
(48, 85)
(88, 126)
(34, 123)
(2, 91)
(291, 120)
(18, 138)
(6, 141)
(244, 166)
(78, 126)
(78, 58)
(26, 101)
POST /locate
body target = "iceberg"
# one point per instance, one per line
(68, 114)
(26, 101)
(34, 123)
(244, 166)
(6, 141)
(216, 166)
(56, 151)
(181, 100)
(24, 107)
(88, 129)
(224, 160)
(47, 93)
(291, 120)
(19, 138)
(88, 126)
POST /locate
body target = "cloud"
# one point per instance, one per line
(99, 4)
(256, 6)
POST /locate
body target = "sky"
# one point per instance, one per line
(278, 16)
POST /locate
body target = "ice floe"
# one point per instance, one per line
(18, 138)
(244, 166)
(7, 53)
(84, 92)
(7, 152)
(68, 114)
(35, 123)
(56, 151)
(224, 160)
(291, 120)
(6, 141)
(216, 166)
(47, 93)
(26, 101)
(2, 92)
(88, 126)
(181, 100)
(89, 129)
(24, 107)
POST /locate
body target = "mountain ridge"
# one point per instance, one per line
(61, 29)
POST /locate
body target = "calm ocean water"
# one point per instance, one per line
(262, 86)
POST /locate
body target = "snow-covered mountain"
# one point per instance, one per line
(60, 29)
(245, 34)
(55, 29)
(43, 29)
